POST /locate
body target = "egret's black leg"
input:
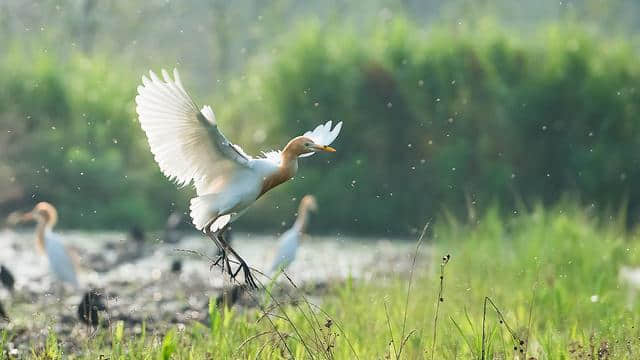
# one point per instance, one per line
(222, 253)
(224, 247)
(248, 277)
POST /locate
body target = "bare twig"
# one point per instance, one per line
(445, 261)
(413, 265)
(393, 344)
(518, 343)
(531, 305)
(344, 334)
(251, 338)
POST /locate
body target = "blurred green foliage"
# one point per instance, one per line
(449, 119)
(75, 142)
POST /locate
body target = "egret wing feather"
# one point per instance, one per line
(323, 134)
(186, 142)
(275, 156)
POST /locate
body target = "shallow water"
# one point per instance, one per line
(140, 286)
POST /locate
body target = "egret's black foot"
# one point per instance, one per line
(217, 261)
(248, 277)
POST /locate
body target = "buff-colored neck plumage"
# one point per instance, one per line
(288, 164)
(308, 203)
(47, 216)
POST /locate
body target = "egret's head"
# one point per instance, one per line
(309, 202)
(303, 145)
(42, 212)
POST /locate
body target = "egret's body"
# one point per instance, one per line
(287, 249)
(189, 148)
(48, 242)
(60, 261)
(289, 241)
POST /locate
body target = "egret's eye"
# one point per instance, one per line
(307, 144)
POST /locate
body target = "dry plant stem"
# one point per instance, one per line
(316, 337)
(413, 266)
(337, 324)
(288, 319)
(273, 325)
(251, 338)
(533, 299)
(310, 305)
(393, 343)
(515, 338)
(445, 261)
(267, 314)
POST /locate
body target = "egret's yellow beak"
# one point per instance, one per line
(327, 148)
(16, 217)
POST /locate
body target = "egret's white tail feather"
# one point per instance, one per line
(206, 208)
(202, 210)
(220, 223)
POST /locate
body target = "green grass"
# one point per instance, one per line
(551, 264)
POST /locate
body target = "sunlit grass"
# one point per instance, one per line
(560, 265)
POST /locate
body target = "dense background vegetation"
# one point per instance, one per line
(438, 118)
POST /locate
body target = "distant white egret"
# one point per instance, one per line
(189, 147)
(49, 242)
(290, 240)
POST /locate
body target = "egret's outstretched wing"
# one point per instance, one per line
(275, 156)
(185, 141)
(323, 135)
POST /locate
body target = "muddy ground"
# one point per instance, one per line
(140, 285)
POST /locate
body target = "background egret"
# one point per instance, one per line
(50, 243)
(290, 240)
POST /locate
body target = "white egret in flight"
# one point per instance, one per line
(49, 242)
(189, 147)
(290, 240)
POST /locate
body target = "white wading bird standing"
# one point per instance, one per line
(188, 146)
(290, 240)
(48, 242)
